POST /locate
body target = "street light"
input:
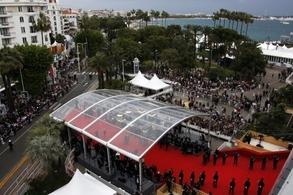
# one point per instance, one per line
(21, 79)
(135, 65)
(123, 69)
(77, 52)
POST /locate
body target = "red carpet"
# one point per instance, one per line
(173, 158)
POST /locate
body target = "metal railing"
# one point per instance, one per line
(282, 177)
(20, 185)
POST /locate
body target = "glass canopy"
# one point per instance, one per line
(122, 121)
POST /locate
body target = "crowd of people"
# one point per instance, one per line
(27, 107)
(197, 92)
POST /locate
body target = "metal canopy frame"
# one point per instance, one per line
(143, 121)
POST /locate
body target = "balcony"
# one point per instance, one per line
(3, 12)
(7, 35)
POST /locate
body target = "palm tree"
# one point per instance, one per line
(165, 15)
(233, 18)
(223, 14)
(152, 13)
(215, 18)
(157, 15)
(47, 149)
(43, 25)
(146, 18)
(101, 63)
(242, 19)
(194, 30)
(10, 60)
(249, 20)
(46, 126)
(45, 142)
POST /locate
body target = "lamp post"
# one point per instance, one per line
(77, 52)
(123, 61)
(135, 65)
(21, 79)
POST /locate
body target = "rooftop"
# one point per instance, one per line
(122, 121)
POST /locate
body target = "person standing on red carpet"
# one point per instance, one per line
(261, 185)
(251, 162)
(246, 186)
(215, 158)
(236, 157)
(192, 176)
(224, 157)
(202, 178)
(215, 179)
(181, 176)
(263, 163)
(275, 161)
(232, 186)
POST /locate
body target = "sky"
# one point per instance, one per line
(256, 7)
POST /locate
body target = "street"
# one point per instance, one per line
(9, 159)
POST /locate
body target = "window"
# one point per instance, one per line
(55, 23)
(2, 10)
(22, 29)
(24, 40)
(31, 19)
(30, 9)
(19, 9)
(54, 17)
(56, 29)
(21, 19)
(33, 29)
(46, 38)
(34, 39)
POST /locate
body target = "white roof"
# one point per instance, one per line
(54, 44)
(269, 49)
(157, 84)
(154, 84)
(82, 184)
(139, 80)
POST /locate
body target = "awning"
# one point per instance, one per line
(84, 184)
(154, 84)
(124, 122)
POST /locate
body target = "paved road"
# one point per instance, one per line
(8, 159)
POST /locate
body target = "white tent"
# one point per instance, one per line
(156, 84)
(139, 80)
(84, 184)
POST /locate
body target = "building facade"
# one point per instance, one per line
(70, 21)
(18, 16)
(54, 13)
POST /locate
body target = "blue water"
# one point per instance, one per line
(260, 30)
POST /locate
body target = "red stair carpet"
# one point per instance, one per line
(174, 159)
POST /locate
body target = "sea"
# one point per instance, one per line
(260, 30)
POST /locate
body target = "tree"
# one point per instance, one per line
(249, 60)
(43, 25)
(94, 38)
(146, 18)
(100, 62)
(248, 20)
(45, 142)
(153, 14)
(36, 63)
(165, 15)
(170, 57)
(10, 61)
(47, 149)
(60, 38)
